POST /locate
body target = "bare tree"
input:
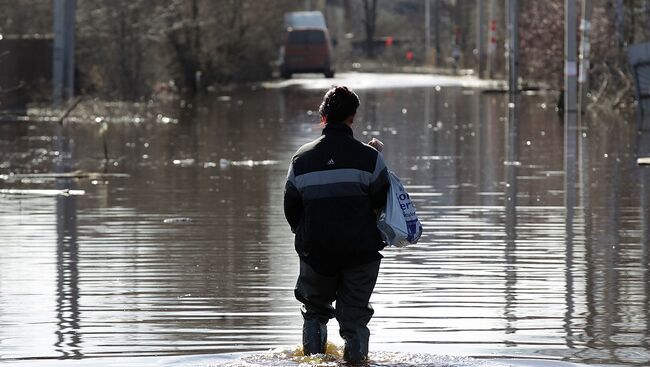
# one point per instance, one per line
(224, 41)
(121, 67)
(25, 17)
(183, 33)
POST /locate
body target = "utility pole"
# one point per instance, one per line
(619, 7)
(492, 39)
(480, 37)
(436, 31)
(512, 159)
(585, 48)
(427, 30)
(63, 51)
(513, 48)
(513, 87)
(570, 106)
(583, 87)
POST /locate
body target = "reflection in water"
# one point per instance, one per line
(510, 306)
(67, 309)
(511, 163)
(587, 209)
(645, 206)
(498, 271)
(569, 202)
(570, 161)
(645, 245)
(68, 341)
(612, 251)
(569, 293)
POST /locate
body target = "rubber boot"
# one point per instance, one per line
(314, 337)
(353, 353)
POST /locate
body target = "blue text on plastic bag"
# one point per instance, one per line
(398, 223)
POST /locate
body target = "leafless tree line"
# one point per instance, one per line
(615, 25)
(133, 48)
(130, 49)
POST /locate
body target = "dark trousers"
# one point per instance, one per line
(351, 288)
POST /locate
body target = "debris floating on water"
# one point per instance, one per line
(166, 119)
(224, 163)
(177, 220)
(58, 175)
(42, 192)
(183, 162)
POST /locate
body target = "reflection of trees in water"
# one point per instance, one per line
(540, 151)
(198, 276)
(540, 142)
(617, 320)
(489, 149)
(419, 131)
(219, 261)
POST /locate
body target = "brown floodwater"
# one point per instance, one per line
(179, 244)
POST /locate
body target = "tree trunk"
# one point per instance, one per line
(370, 21)
(646, 24)
(349, 14)
(631, 27)
(620, 22)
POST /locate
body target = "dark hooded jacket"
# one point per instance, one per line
(334, 188)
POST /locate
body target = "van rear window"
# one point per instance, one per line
(306, 37)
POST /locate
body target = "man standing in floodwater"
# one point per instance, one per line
(335, 187)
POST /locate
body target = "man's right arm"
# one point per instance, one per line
(292, 201)
(379, 184)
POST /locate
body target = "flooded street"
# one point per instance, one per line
(179, 244)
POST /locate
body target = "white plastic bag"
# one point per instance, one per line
(398, 223)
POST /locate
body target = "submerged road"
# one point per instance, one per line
(361, 81)
(181, 246)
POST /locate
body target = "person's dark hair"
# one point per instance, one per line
(338, 104)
